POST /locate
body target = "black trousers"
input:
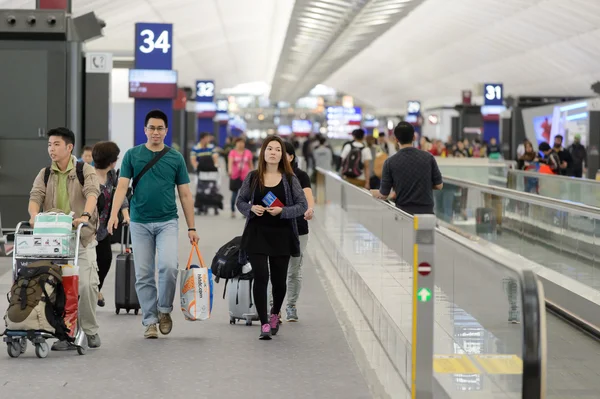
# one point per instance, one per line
(279, 268)
(104, 259)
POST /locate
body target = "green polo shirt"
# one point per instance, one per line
(62, 194)
(154, 197)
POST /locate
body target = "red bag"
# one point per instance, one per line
(71, 286)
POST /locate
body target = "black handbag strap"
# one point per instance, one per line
(150, 164)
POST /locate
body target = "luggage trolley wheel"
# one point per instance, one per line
(23, 344)
(249, 321)
(117, 310)
(137, 312)
(13, 348)
(81, 350)
(232, 320)
(42, 349)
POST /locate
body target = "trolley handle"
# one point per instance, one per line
(78, 241)
(24, 224)
(127, 244)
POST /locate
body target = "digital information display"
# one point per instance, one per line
(284, 130)
(341, 121)
(152, 83)
(302, 126)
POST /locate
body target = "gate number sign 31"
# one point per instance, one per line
(149, 44)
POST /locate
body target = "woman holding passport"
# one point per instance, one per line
(271, 198)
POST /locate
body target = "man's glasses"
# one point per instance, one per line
(159, 129)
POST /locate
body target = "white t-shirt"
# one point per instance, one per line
(366, 155)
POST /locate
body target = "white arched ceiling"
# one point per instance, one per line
(534, 47)
(230, 41)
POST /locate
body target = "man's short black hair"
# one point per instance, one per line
(87, 148)
(203, 135)
(559, 136)
(544, 147)
(404, 132)
(105, 153)
(322, 140)
(67, 135)
(358, 134)
(157, 114)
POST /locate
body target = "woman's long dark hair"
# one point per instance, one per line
(284, 166)
(290, 150)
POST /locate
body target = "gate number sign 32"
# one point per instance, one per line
(149, 44)
(205, 89)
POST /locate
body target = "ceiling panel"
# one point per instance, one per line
(231, 41)
(548, 47)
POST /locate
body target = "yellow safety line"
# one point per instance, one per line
(414, 312)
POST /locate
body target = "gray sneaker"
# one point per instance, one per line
(291, 314)
(165, 323)
(151, 332)
(62, 346)
(93, 341)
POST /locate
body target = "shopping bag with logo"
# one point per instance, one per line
(70, 280)
(196, 289)
(53, 223)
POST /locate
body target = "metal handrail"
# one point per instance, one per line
(532, 297)
(533, 199)
(570, 179)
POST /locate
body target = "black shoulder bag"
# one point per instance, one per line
(149, 165)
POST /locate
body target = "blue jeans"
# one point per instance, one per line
(155, 243)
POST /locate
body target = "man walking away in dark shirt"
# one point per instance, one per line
(579, 155)
(413, 174)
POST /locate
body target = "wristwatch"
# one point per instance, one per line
(87, 214)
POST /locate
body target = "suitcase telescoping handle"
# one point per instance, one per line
(123, 243)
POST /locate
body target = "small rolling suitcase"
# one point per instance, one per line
(485, 219)
(241, 305)
(125, 294)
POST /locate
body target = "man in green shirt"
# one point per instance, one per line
(154, 221)
(71, 190)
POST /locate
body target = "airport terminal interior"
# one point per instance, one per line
(490, 289)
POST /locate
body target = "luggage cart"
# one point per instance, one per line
(16, 340)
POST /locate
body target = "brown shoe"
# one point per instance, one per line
(165, 323)
(151, 332)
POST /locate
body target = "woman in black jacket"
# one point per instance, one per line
(271, 198)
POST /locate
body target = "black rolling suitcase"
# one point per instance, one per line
(485, 219)
(125, 294)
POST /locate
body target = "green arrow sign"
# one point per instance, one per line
(424, 295)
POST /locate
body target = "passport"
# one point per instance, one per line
(271, 201)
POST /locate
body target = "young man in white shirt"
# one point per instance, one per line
(357, 175)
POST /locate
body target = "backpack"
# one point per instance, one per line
(352, 165)
(226, 264)
(378, 163)
(78, 171)
(37, 300)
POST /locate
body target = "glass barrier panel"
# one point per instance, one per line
(563, 241)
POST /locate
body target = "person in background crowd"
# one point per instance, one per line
(493, 148)
(461, 151)
(439, 149)
(240, 164)
(105, 156)
(229, 144)
(468, 147)
(371, 143)
(550, 157)
(271, 234)
(566, 161)
(579, 156)
(203, 156)
(383, 143)
(307, 153)
(411, 173)
(529, 156)
(366, 158)
(64, 192)
(86, 155)
(323, 154)
(154, 223)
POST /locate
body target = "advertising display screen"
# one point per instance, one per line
(152, 83)
(284, 130)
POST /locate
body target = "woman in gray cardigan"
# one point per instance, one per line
(271, 198)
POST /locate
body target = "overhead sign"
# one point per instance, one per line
(413, 107)
(205, 91)
(424, 269)
(493, 93)
(152, 83)
(153, 46)
(98, 62)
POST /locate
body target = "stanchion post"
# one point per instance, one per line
(423, 302)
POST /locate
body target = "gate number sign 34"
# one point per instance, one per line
(149, 44)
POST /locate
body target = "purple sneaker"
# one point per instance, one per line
(274, 323)
(265, 332)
